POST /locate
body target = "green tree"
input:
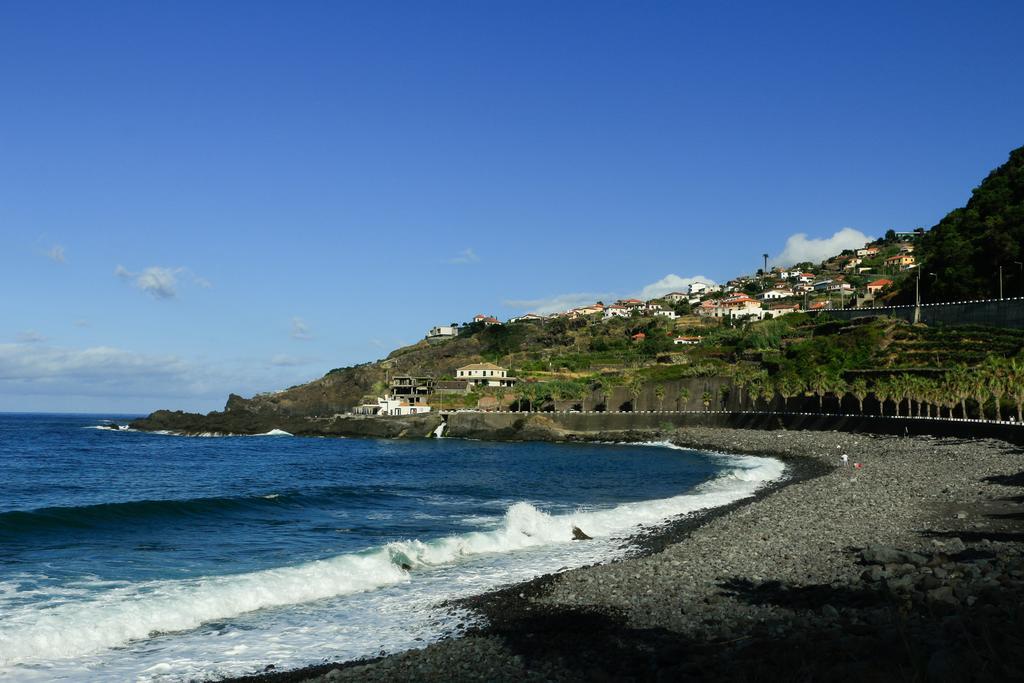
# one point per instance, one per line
(961, 384)
(883, 391)
(682, 398)
(635, 387)
(706, 399)
(787, 387)
(859, 390)
(994, 371)
(967, 247)
(1015, 383)
(659, 393)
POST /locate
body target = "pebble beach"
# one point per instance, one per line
(908, 567)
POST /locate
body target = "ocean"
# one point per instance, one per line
(135, 556)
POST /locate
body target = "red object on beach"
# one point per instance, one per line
(857, 465)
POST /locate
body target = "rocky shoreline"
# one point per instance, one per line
(908, 568)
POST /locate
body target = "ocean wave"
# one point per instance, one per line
(16, 523)
(116, 617)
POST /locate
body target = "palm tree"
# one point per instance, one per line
(754, 390)
(901, 392)
(609, 389)
(859, 389)
(1015, 382)
(960, 384)
(788, 386)
(635, 387)
(819, 385)
(523, 392)
(659, 393)
(838, 388)
(682, 397)
(995, 382)
(883, 391)
(741, 379)
(499, 393)
(706, 399)
(979, 391)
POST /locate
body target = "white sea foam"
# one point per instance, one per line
(119, 616)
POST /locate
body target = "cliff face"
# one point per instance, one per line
(341, 389)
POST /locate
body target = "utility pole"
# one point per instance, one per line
(1020, 283)
(1000, 282)
(764, 271)
(917, 297)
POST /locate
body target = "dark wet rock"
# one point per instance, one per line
(579, 535)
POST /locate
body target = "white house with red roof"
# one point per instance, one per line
(878, 285)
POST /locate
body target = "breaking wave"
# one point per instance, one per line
(115, 617)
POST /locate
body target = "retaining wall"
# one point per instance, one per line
(543, 426)
(992, 312)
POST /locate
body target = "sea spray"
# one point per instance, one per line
(117, 617)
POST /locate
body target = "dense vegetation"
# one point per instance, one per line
(967, 247)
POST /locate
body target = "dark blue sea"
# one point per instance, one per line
(135, 556)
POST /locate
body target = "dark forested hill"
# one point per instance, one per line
(967, 247)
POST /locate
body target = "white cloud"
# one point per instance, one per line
(37, 376)
(283, 360)
(56, 253)
(671, 283)
(30, 337)
(559, 302)
(159, 281)
(100, 370)
(465, 256)
(300, 330)
(800, 248)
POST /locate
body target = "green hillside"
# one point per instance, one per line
(967, 247)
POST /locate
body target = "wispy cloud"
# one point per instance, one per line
(300, 330)
(465, 256)
(671, 283)
(56, 254)
(159, 281)
(97, 371)
(283, 360)
(558, 302)
(29, 337)
(564, 302)
(37, 374)
(800, 248)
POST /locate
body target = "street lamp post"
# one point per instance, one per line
(1000, 282)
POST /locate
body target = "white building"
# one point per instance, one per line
(526, 318)
(670, 314)
(443, 331)
(616, 311)
(676, 297)
(704, 288)
(485, 375)
(774, 294)
(390, 406)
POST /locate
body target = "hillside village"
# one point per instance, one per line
(592, 356)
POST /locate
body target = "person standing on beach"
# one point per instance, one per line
(845, 458)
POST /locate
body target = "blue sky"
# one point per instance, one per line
(198, 198)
